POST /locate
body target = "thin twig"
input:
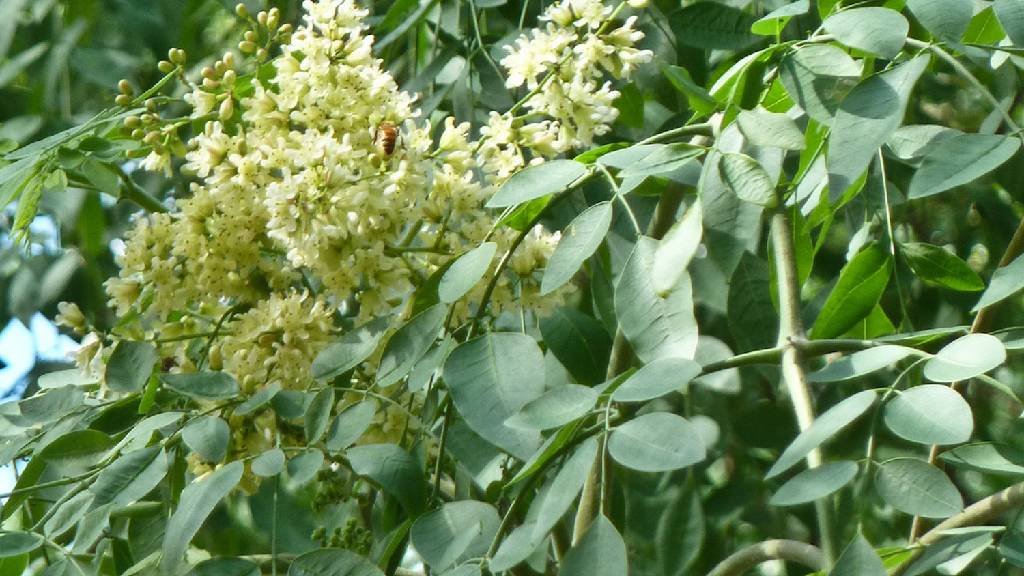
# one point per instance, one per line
(740, 562)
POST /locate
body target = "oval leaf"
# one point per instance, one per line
(465, 272)
(198, 500)
(747, 178)
(332, 562)
(353, 348)
(879, 31)
(815, 483)
(457, 531)
(827, 425)
(960, 160)
(491, 378)
(937, 266)
(270, 463)
(409, 344)
(930, 414)
(600, 552)
(394, 470)
(535, 181)
(916, 487)
(556, 407)
(348, 426)
(656, 379)
(860, 286)
(861, 363)
(208, 437)
(202, 385)
(579, 241)
(965, 357)
(676, 249)
(129, 366)
(656, 442)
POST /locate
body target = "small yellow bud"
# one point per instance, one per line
(246, 47)
(262, 54)
(250, 36)
(210, 84)
(220, 68)
(151, 104)
(138, 134)
(229, 77)
(208, 72)
(273, 18)
(229, 59)
(132, 122)
(176, 55)
(124, 87)
(261, 18)
(241, 10)
(165, 67)
(152, 137)
(123, 100)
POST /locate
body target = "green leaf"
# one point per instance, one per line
(818, 77)
(657, 325)
(304, 466)
(454, 533)
(827, 425)
(911, 143)
(258, 400)
(697, 97)
(318, 415)
(861, 363)
(1011, 15)
(269, 463)
(394, 470)
(579, 342)
(861, 284)
(18, 543)
(129, 366)
(661, 158)
(659, 377)
(987, 458)
(752, 318)
(965, 357)
(409, 344)
(952, 554)
(930, 414)
(946, 20)
(14, 565)
(491, 378)
(747, 178)
(130, 477)
(466, 272)
(814, 483)
(959, 160)
(554, 408)
(202, 385)
(353, 348)
(208, 436)
(579, 241)
(1006, 281)
(936, 265)
(763, 128)
(332, 562)
(535, 181)
(198, 500)
(676, 249)
(918, 488)
(859, 559)
(350, 425)
(866, 119)
(225, 567)
(558, 495)
(772, 23)
(878, 31)
(600, 552)
(656, 442)
(714, 26)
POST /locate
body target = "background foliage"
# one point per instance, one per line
(851, 168)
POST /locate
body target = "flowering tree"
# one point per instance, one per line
(639, 289)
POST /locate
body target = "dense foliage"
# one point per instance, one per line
(580, 287)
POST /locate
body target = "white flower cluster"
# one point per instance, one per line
(571, 57)
(318, 191)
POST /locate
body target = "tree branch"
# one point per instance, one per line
(791, 329)
(979, 513)
(751, 556)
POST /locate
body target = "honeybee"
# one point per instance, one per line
(386, 138)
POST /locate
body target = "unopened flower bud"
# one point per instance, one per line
(208, 72)
(262, 54)
(273, 18)
(152, 137)
(165, 67)
(226, 110)
(132, 122)
(241, 10)
(123, 100)
(220, 68)
(124, 87)
(250, 36)
(210, 84)
(261, 18)
(637, 3)
(229, 77)
(176, 55)
(246, 47)
(151, 104)
(229, 59)
(138, 134)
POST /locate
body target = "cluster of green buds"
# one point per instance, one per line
(352, 537)
(156, 136)
(219, 82)
(265, 31)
